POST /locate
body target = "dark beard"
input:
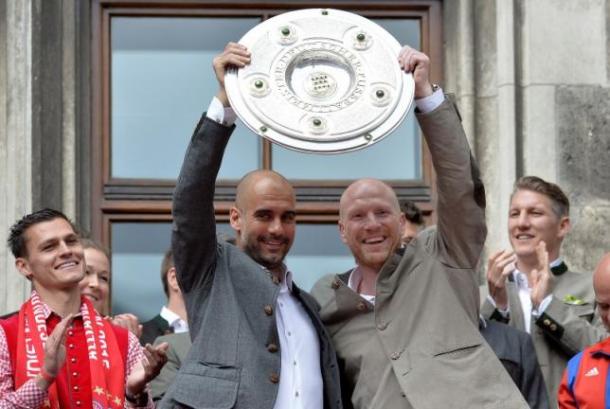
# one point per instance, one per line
(255, 255)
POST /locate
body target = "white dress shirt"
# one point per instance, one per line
(301, 385)
(175, 322)
(525, 298)
(355, 278)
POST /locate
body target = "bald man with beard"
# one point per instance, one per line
(258, 341)
(405, 320)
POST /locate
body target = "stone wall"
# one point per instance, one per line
(541, 106)
(531, 80)
(38, 120)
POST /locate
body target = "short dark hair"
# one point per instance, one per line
(559, 201)
(166, 264)
(412, 212)
(16, 238)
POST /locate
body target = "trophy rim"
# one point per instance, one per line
(367, 137)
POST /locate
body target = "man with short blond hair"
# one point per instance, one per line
(531, 288)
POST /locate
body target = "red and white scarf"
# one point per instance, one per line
(105, 361)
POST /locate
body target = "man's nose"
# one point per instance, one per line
(371, 221)
(93, 281)
(523, 220)
(65, 249)
(276, 226)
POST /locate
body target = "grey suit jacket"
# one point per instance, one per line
(419, 346)
(230, 300)
(179, 345)
(154, 328)
(565, 328)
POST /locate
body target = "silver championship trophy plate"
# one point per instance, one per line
(321, 80)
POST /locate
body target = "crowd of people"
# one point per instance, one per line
(407, 327)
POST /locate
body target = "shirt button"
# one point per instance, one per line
(274, 378)
(78, 403)
(75, 374)
(71, 346)
(75, 387)
(73, 360)
(394, 356)
(268, 309)
(272, 347)
(296, 394)
(70, 333)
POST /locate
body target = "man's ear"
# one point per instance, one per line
(402, 221)
(342, 232)
(24, 267)
(564, 227)
(172, 280)
(235, 219)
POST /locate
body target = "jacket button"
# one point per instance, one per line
(274, 378)
(394, 356)
(547, 322)
(272, 347)
(361, 306)
(75, 387)
(268, 309)
(381, 326)
(553, 327)
(335, 284)
(275, 280)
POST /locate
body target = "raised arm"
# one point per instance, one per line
(461, 196)
(194, 228)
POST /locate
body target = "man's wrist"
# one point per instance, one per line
(426, 90)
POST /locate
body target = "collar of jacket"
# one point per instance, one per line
(557, 271)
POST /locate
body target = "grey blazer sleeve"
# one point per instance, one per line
(461, 196)
(573, 328)
(194, 228)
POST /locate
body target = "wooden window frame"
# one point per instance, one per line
(116, 200)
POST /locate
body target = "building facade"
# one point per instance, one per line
(98, 99)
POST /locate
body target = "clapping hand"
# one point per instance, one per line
(499, 266)
(543, 280)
